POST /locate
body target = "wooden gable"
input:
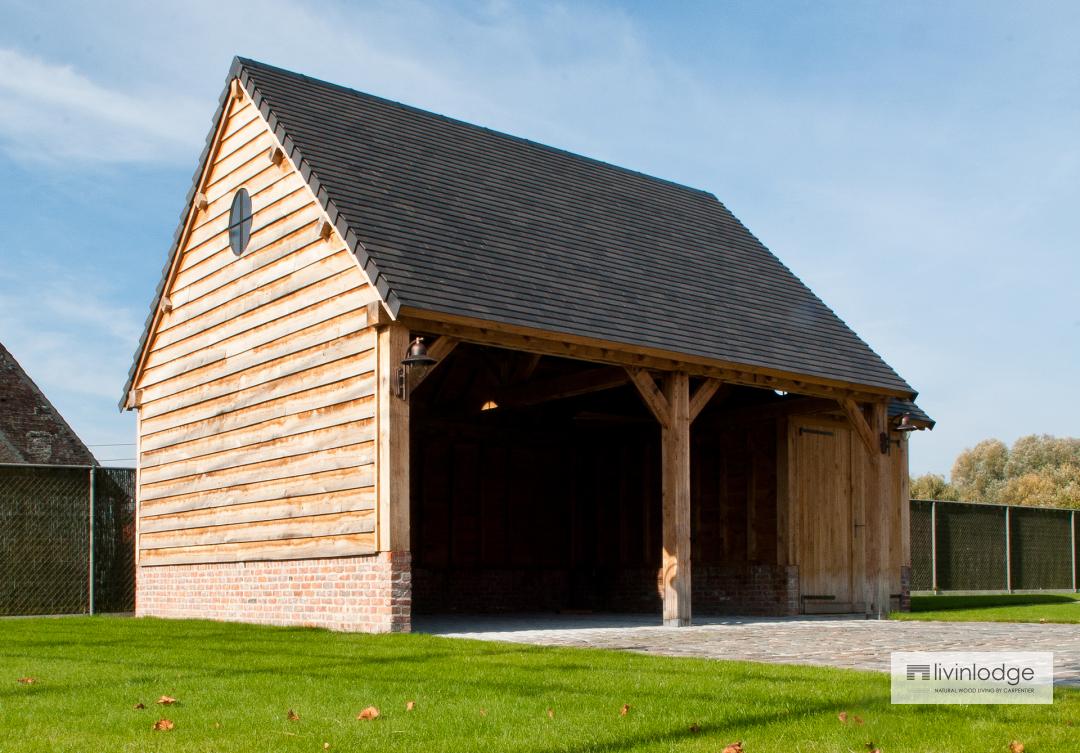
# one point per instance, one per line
(256, 386)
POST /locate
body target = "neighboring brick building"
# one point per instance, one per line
(31, 429)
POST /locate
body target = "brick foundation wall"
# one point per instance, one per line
(905, 588)
(761, 590)
(717, 589)
(357, 594)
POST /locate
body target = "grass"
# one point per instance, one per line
(1059, 607)
(235, 684)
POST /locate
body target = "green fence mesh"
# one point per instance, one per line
(1041, 543)
(922, 564)
(971, 547)
(45, 550)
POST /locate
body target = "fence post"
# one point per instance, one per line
(90, 548)
(933, 545)
(1072, 522)
(1008, 549)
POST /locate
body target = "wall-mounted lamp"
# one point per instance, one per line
(416, 356)
(906, 424)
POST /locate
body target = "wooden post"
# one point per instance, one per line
(784, 525)
(392, 466)
(675, 460)
(882, 490)
(675, 409)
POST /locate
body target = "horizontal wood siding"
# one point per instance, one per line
(257, 414)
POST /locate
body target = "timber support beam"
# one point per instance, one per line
(675, 409)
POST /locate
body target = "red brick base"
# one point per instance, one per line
(363, 594)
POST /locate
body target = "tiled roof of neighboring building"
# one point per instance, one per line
(31, 429)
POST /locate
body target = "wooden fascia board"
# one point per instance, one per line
(183, 230)
(547, 343)
(239, 85)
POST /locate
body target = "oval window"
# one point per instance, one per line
(240, 222)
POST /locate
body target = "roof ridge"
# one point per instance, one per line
(245, 62)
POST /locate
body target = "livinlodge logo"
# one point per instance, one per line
(1011, 675)
(973, 677)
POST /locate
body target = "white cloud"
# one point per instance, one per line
(54, 113)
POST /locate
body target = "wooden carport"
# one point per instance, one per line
(326, 228)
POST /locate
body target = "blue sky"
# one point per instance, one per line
(917, 164)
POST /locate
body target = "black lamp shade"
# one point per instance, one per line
(418, 355)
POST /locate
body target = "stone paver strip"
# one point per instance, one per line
(835, 642)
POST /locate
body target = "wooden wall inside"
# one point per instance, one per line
(256, 426)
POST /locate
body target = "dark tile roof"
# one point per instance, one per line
(898, 408)
(31, 429)
(453, 218)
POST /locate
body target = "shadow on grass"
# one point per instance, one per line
(977, 601)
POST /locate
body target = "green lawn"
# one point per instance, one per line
(995, 608)
(236, 683)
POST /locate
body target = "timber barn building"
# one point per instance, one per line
(622, 401)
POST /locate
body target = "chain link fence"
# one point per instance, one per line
(961, 546)
(67, 539)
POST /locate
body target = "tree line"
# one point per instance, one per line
(1038, 470)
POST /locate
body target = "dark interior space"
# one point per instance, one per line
(536, 488)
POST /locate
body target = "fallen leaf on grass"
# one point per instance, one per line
(292, 716)
(551, 713)
(695, 728)
(624, 710)
(410, 705)
(163, 725)
(483, 712)
(857, 719)
(842, 716)
(166, 700)
(27, 680)
(734, 748)
(368, 714)
(139, 706)
(1016, 747)
(326, 746)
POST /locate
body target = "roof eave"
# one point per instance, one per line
(632, 353)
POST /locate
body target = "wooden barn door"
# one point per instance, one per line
(824, 518)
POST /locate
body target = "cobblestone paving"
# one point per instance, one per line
(828, 641)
